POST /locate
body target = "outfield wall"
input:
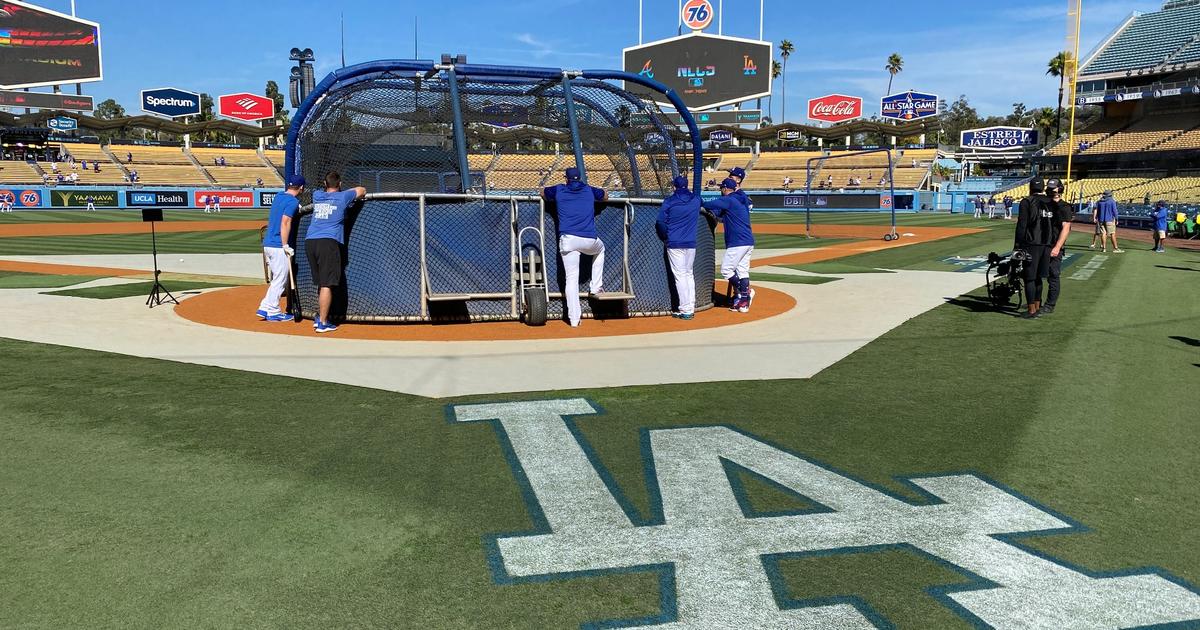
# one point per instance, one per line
(116, 197)
(832, 201)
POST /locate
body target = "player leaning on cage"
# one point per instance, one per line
(277, 250)
(576, 209)
(739, 243)
(676, 226)
(325, 243)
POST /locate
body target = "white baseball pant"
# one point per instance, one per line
(682, 268)
(277, 262)
(737, 262)
(570, 247)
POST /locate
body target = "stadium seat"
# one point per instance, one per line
(18, 172)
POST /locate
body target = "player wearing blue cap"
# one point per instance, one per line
(276, 249)
(325, 242)
(739, 242)
(676, 226)
(576, 208)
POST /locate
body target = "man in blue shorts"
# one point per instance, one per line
(325, 243)
(576, 207)
(739, 243)
(676, 226)
(276, 248)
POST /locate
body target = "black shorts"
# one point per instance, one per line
(325, 258)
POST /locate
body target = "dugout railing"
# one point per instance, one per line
(421, 257)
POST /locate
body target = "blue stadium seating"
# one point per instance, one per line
(1150, 40)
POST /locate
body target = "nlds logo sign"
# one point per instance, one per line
(835, 108)
(245, 106)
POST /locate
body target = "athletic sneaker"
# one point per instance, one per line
(745, 307)
(1161, 250)
(262, 314)
(686, 316)
(1046, 310)
(280, 317)
(1118, 251)
(316, 323)
(1092, 246)
(1028, 315)
(326, 327)
(736, 304)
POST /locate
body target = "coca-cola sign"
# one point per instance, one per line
(835, 108)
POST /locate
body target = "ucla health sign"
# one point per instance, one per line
(999, 138)
(136, 198)
(171, 102)
(909, 106)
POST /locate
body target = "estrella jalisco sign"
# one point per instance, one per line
(998, 138)
(909, 106)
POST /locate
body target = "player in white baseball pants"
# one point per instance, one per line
(570, 247)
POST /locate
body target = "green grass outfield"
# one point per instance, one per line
(149, 494)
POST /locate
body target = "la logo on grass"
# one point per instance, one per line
(718, 564)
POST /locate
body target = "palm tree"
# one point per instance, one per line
(785, 50)
(895, 65)
(1057, 68)
(1045, 119)
(776, 72)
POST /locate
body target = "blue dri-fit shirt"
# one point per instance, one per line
(329, 213)
(743, 197)
(285, 205)
(676, 223)
(576, 208)
(1160, 218)
(736, 217)
(1106, 210)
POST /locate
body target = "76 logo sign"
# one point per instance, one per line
(697, 14)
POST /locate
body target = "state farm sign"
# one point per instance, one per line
(835, 108)
(229, 198)
(245, 106)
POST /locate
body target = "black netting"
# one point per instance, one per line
(394, 133)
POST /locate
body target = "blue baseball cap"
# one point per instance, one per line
(738, 171)
(573, 174)
(729, 183)
(295, 181)
(680, 182)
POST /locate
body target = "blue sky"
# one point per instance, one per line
(994, 52)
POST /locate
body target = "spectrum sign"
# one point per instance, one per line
(170, 102)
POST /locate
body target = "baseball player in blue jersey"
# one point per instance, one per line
(739, 242)
(325, 243)
(738, 174)
(676, 226)
(277, 250)
(576, 203)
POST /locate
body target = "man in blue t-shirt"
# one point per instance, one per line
(1105, 216)
(1160, 215)
(739, 243)
(325, 242)
(576, 208)
(676, 226)
(277, 249)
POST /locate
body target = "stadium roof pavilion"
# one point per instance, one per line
(1161, 42)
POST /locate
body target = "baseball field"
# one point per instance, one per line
(886, 450)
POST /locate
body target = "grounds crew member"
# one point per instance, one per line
(325, 242)
(739, 242)
(676, 226)
(1035, 234)
(1160, 216)
(276, 249)
(1105, 216)
(1064, 213)
(576, 208)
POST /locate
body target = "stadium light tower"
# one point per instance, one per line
(302, 81)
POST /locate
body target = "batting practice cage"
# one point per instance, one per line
(453, 157)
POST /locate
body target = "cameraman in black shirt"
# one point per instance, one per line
(1064, 213)
(1035, 234)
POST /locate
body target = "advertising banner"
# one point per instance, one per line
(229, 198)
(908, 106)
(721, 136)
(170, 102)
(163, 198)
(245, 106)
(22, 197)
(44, 100)
(705, 70)
(835, 108)
(265, 199)
(62, 124)
(999, 138)
(788, 135)
(43, 47)
(60, 198)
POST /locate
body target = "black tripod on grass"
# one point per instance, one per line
(158, 293)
